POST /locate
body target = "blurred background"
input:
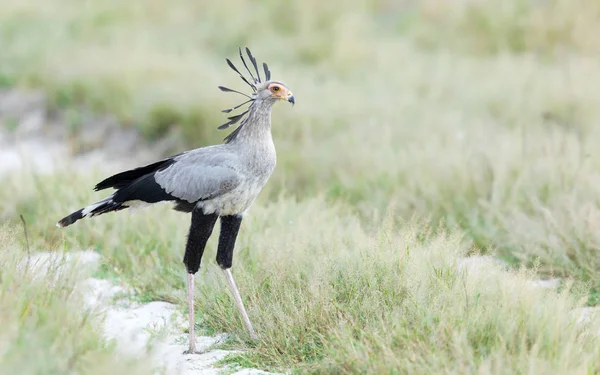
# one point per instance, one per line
(480, 116)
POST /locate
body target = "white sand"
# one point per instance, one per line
(151, 331)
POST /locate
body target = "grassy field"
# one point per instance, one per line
(45, 331)
(423, 131)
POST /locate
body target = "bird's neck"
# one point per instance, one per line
(256, 128)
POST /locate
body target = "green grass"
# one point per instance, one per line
(328, 295)
(476, 118)
(45, 330)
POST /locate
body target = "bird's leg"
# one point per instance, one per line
(230, 225)
(200, 230)
(190, 301)
(239, 304)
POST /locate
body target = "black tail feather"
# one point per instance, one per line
(107, 207)
(68, 220)
(100, 208)
(131, 186)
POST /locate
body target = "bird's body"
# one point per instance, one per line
(223, 179)
(219, 181)
(237, 171)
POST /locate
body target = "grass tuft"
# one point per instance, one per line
(45, 328)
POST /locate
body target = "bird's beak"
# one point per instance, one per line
(290, 98)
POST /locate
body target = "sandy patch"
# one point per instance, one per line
(152, 331)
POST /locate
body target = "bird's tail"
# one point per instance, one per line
(98, 208)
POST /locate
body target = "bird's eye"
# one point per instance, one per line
(275, 88)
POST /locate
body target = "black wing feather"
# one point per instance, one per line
(123, 179)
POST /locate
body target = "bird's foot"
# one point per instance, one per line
(193, 351)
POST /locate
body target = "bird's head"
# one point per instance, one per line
(274, 91)
(263, 92)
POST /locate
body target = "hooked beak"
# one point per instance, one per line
(291, 99)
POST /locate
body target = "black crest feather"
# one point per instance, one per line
(253, 61)
(245, 65)
(225, 89)
(237, 106)
(233, 120)
(252, 83)
(241, 76)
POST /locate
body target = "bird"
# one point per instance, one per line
(213, 182)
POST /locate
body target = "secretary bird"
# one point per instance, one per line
(219, 181)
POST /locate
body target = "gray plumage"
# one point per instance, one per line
(226, 179)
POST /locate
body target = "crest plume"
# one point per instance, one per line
(245, 65)
(255, 80)
(253, 61)
(241, 76)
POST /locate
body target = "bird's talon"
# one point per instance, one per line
(192, 352)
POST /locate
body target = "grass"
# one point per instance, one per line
(45, 329)
(329, 295)
(477, 119)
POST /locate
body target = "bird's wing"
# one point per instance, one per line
(199, 176)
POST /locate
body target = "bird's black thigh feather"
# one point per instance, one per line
(200, 231)
(230, 225)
